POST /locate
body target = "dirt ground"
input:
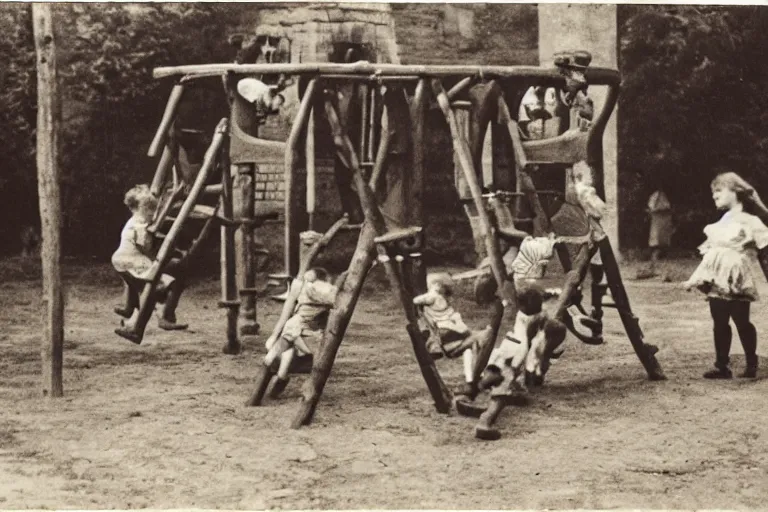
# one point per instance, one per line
(163, 425)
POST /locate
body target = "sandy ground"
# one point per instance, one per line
(163, 424)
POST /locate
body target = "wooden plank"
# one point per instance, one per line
(48, 117)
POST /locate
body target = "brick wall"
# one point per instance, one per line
(504, 34)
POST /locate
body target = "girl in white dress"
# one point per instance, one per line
(132, 256)
(726, 273)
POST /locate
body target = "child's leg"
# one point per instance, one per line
(281, 381)
(130, 323)
(469, 365)
(286, 358)
(747, 334)
(721, 314)
(167, 320)
(126, 309)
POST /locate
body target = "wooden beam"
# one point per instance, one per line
(418, 122)
(48, 117)
(309, 157)
(227, 255)
(541, 75)
(293, 153)
(169, 115)
(461, 148)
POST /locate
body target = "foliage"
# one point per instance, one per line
(692, 104)
(105, 57)
(17, 117)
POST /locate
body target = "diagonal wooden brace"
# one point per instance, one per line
(394, 249)
(506, 288)
(362, 260)
(148, 298)
(645, 352)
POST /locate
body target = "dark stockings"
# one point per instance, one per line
(722, 312)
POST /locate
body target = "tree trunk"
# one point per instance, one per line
(48, 114)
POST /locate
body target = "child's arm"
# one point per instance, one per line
(142, 240)
(760, 236)
(425, 299)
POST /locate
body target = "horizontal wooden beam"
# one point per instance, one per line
(595, 76)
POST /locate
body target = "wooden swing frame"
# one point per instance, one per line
(397, 245)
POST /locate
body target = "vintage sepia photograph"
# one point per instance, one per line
(361, 256)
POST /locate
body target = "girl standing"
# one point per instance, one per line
(726, 273)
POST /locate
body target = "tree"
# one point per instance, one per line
(691, 106)
(111, 106)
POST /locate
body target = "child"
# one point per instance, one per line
(314, 302)
(455, 338)
(725, 273)
(660, 235)
(524, 351)
(132, 256)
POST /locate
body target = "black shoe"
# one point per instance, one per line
(750, 372)
(123, 311)
(302, 364)
(719, 372)
(128, 334)
(168, 325)
(278, 387)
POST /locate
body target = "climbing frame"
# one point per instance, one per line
(389, 188)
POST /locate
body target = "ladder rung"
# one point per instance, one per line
(461, 104)
(399, 234)
(229, 303)
(199, 211)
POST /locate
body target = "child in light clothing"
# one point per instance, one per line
(726, 272)
(132, 256)
(522, 352)
(315, 300)
(455, 338)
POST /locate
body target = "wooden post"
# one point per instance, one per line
(229, 298)
(398, 274)
(645, 352)
(418, 116)
(161, 173)
(48, 115)
(167, 121)
(292, 159)
(362, 260)
(309, 150)
(461, 148)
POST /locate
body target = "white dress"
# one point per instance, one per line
(129, 257)
(729, 263)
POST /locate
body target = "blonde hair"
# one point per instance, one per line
(139, 196)
(442, 279)
(745, 192)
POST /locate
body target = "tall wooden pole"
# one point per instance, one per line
(48, 115)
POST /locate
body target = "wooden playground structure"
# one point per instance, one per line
(380, 173)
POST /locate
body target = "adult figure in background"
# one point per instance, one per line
(660, 234)
(659, 210)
